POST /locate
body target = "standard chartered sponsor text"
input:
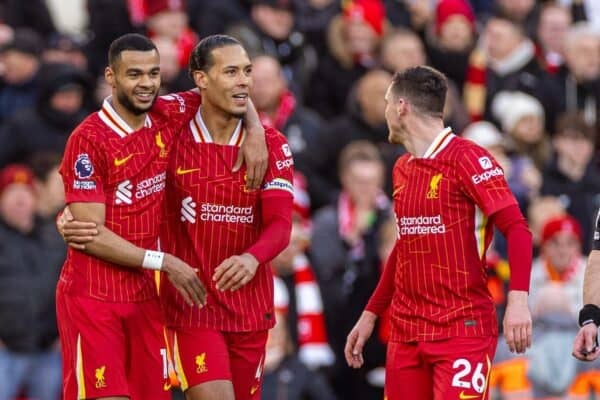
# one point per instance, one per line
(151, 185)
(230, 213)
(421, 225)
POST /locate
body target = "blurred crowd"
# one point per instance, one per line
(524, 83)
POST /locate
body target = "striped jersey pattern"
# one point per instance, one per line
(106, 161)
(211, 216)
(442, 202)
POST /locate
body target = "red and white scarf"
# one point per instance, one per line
(313, 347)
(287, 105)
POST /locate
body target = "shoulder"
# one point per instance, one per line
(277, 143)
(177, 102)
(91, 128)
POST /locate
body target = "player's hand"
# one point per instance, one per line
(585, 347)
(185, 279)
(355, 342)
(517, 322)
(75, 233)
(234, 272)
(254, 150)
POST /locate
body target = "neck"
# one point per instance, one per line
(421, 132)
(135, 121)
(220, 124)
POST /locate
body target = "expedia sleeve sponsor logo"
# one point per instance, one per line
(486, 175)
(421, 225)
(279, 184)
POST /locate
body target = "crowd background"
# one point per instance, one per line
(524, 83)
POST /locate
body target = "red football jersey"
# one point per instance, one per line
(211, 216)
(105, 161)
(442, 202)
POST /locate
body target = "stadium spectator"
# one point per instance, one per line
(504, 61)
(33, 14)
(540, 210)
(452, 39)
(174, 77)
(65, 49)
(61, 104)
(578, 80)
(353, 39)
(344, 253)
(554, 23)
(573, 174)
(48, 185)
(20, 63)
(560, 261)
(522, 119)
(364, 120)
(279, 108)
(432, 325)
(272, 31)
(30, 260)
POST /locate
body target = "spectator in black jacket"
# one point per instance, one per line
(60, 106)
(573, 173)
(20, 61)
(29, 267)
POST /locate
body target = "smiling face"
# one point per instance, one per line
(135, 79)
(226, 84)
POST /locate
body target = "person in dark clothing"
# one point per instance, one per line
(61, 105)
(578, 80)
(364, 120)
(272, 31)
(30, 260)
(345, 258)
(19, 83)
(279, 108)
(573, 173)
(353, 40)
(32, 14)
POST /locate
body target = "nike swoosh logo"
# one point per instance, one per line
(253, 390)
(167, 386)
(121, 161)
(181, 171)
(463, 396)
(397, 190)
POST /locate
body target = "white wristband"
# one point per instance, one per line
(153, 260)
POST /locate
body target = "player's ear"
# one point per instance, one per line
(200, 78)
(109, 76)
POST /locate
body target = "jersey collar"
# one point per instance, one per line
(439, 143)
(202, 135)
(109, 116)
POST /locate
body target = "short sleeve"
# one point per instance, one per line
(483, 180)
(179, 107)
(279, 176)
(83, 170)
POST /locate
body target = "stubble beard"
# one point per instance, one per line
(131, 107)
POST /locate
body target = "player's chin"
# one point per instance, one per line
(238, 111)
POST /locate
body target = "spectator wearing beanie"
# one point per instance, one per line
(521, 117)
(452, 39)
(353, 39)
(560, 260)
(168, 19)
(29, 357)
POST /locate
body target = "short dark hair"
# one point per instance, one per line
(129, 41)
(42, 162)
(424, 88)
(573, 124)
(201, 58)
